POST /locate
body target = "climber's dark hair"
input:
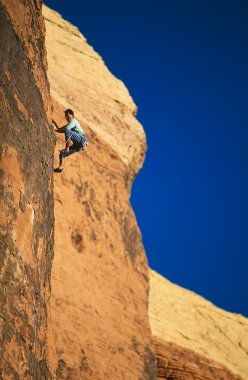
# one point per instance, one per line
(69, 111)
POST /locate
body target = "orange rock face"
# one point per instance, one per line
(26, 194)
(100, 277)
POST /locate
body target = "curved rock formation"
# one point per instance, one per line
(100, 275)
(193, 338)
(79, 78)
(26, 193)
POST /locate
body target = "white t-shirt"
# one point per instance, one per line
(74, 126)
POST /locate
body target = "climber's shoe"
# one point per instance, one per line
(58, 170)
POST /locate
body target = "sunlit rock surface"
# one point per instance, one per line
(194, 336)
(100, 275)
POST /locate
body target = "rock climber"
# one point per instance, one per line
(73, 132)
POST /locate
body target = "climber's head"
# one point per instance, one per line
(69, 114)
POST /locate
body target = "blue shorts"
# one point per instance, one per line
(78, 142)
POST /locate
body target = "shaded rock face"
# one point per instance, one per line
(100, 279)
(26, 193)
(193, 338)
(179, 363)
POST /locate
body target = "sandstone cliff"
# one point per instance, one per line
(193, 338)
(26, 194)
(99, 326)
(100, 277)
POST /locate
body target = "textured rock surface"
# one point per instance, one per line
(179, 363)
(26, 193)
(182, 321)
(100, 273)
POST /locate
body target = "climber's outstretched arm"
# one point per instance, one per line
(59, 130)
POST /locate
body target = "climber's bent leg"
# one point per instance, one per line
(77, 140)
(75, 137)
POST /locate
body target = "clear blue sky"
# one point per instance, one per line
(185, 64)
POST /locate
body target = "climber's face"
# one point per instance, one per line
(68, 116)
